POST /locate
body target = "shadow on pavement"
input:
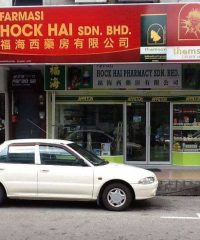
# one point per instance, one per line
(141, 205)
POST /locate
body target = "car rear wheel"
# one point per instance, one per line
(117, 197)
(2, 195)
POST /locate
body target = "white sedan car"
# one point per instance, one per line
(62, 170)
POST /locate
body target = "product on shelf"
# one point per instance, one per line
(186, 128)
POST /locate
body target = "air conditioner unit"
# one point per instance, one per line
(90, 1)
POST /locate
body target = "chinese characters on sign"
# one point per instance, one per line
(41, 32)
(55, 77)
(117, 33)
(108, 76)
(148, 76)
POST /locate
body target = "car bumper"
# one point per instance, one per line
(145, 191)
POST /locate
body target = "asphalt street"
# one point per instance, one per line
(161, 218)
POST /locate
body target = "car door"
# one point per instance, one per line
(62, 176)
(18, 172)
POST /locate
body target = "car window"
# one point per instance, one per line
(52, 155)
(92, 158)
(21, 154)
(3, 155)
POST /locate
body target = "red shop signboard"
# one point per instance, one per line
(100, 33)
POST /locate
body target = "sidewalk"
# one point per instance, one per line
(178, 182)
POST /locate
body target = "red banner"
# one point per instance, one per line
(103, 33)
(183, 33)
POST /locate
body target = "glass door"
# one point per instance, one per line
(148, 133)
(136, 133)
(160, 132)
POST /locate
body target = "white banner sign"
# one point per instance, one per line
(137, 76)
(183, 53)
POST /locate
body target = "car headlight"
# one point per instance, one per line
(147, 180)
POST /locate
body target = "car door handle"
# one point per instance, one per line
(44, 170)
(1, 169)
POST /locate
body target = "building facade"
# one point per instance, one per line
(136, 107)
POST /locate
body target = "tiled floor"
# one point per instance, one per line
(165, 174)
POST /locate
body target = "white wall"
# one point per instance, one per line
(189, 1)
(168, 1)
(5, 3)
(171, 1)
(58, 2)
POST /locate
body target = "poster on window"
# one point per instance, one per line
(79, 77)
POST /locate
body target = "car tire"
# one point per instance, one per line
(117, 197)
(2, 195)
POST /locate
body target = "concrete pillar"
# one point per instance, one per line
(3, 89)
(3, 79)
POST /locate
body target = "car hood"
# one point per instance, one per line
(122, 171)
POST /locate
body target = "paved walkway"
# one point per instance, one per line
(170, 174)
(178, 182)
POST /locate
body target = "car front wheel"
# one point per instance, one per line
(117, 197)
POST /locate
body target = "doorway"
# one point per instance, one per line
(148, 133)
(160, 132)
(26, 123)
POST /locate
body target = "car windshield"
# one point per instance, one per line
(91, 157)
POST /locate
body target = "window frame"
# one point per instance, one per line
(33, 145)
(6, 155)
(83, 162)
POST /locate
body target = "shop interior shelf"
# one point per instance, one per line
(195, 128)
(186, 140)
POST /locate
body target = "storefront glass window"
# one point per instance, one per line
(160, 132)
(2, 117)
(191, 76)
(98, 128)
(136, 135)
(186, 134)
